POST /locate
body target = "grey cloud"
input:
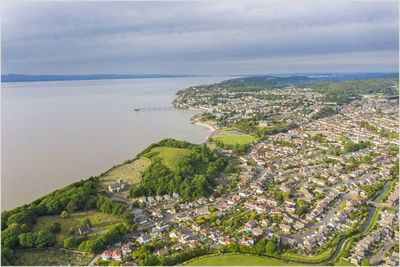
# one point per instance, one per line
(131, 37)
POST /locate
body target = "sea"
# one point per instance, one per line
(58, 132)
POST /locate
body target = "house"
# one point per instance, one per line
(84, 230)
(258, 231)
(287, 219)
(247, 241)
(163, 252)
(265, 222)
(117, 187)
(299, 225)
(251, 224)
(174, 233)
(129, 263)
(142, 219)
(151, 199)
(194, 244)
(285, 228)
(196, 226)
(262, 199)
(272, 202)
(167, 197)
(144, 239)
(225, 240)
(310, 243)
(161, 225)
(106, 255)
(155, 232)
(202, 211)
(261, 209)
(117, 255)
(126, 248)
(276, 212)
(175, 195)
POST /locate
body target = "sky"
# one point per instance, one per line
(218, 38)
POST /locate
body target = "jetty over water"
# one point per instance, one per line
(155, 109)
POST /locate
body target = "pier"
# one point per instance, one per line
(155, 109)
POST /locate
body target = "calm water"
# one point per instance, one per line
(55, 133)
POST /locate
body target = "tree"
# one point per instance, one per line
(27, 240)
(70, 242)
(271, 246)
(64, 214)
(71, 206)
(45, 239)
(55, 228)
(86, 222)
(7, 256)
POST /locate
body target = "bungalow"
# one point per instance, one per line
(290, 202)
(116, 255)
(106, 255)
(244, 194)
(206, 231)
(247, 241)
(129, 263)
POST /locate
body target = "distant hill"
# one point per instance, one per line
(281, 81)
(37, 78)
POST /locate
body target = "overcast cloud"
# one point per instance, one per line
(198, 37)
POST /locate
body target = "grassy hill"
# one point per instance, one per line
(130, 172)
(170, 155)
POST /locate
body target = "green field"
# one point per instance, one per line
(51, 257)
(171, 155)
(233, 137)
(100, 221)
(241, 260)
(131, 173)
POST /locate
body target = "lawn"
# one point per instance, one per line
(240, 260)
(100, 221)
(171, 155)
(343, 262)
(233, 137)
(52, 257)
(130, 172)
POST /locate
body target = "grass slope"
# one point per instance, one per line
(233, 137)
(52, 257)
(100, 221)
(240, 260)
(130, 172)
(171, 155)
